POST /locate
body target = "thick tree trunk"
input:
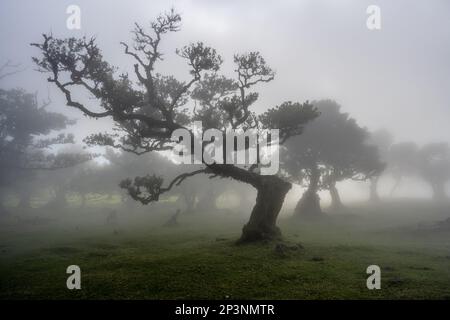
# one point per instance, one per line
(336, 202)
(309, 203)
(269, 200)
(374, 197)
(271, 191)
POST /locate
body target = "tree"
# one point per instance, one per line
(402, 161)
(434, 166)
(24, 142)
(383, 139)
(61, 182)
(359, 162)
(103, 179)
(333, 148)
(8, 69)
(146, 113)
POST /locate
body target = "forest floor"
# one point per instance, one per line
(199, 259)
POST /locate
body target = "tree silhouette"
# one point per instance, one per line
(434, 166)
(146, 112)
(333, 148)
(383, 139)
(402, 161)
(24, 142)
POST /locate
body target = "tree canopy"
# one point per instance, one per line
(434, 167)
(26, 142)
(333, 148)
(147, 107)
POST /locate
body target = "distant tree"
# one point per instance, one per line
(199, 196)
(208, 196)
(60, 182)
(8, 69)
(124, 164)
(360, 164)
(434, 166)
(104, 179)
(402, 161)
(203, 195)
(383, 139)
(333, 148)
(25, 147)
(147, 112)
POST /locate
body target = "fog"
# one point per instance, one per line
(318, 48)
(364, 113)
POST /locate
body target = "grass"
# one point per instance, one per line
(141, 260)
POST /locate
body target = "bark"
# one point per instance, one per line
(336, 202)
(309, 203)
(271, 191)
(269, 200)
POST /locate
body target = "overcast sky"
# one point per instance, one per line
(395, 78)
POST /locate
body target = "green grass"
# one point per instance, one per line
(145, 261)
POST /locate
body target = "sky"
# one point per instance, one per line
(395, 78)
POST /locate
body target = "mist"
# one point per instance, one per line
(87, 155)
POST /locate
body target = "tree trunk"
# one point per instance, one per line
(309, 203)
(336, 202)
(189, 199)
(271, 191)
(396, 184)
(374, 189)
(269, 200)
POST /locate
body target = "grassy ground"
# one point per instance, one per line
(141, 260)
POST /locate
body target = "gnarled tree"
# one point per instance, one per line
(333, 148)
(402, 162)
(24, 142)
(434, 167)
(383, 139)
(148, 109)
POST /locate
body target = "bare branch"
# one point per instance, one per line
(7, 66)
(149, 188)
